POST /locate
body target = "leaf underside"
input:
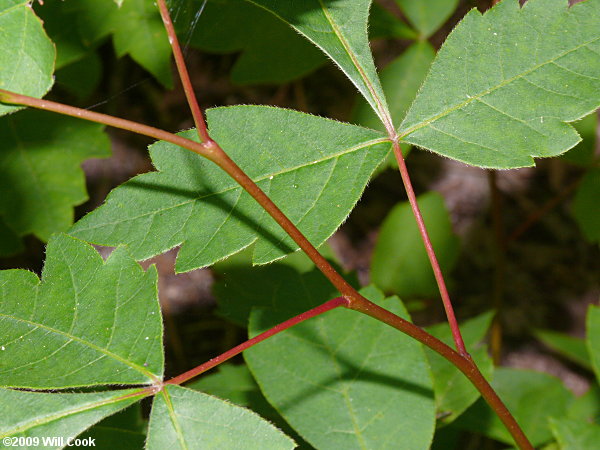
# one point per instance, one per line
(314, 169)
(271, 52)
(454, 393)
(504, 84)
(182, 419)
(370, 382)
(339, 29)
(88, 322)
(42, 180)
(532, 397)
(42, 415)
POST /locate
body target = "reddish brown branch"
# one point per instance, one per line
(352, 298)
(183, 73)
(328, 306)
(437, 271)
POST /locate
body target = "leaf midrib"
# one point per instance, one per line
(504, 83)
(356, 148)
(13, 7)
(61, 414)
(174, 420)
(383, 113)
(106, 352)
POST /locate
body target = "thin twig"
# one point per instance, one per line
(327, 306)
(437, 271)
(183, 73)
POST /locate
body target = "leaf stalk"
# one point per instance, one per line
(327, 306)
(437, 271)
(183, 72)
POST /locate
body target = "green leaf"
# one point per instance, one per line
(124, 430)
(300, 161)
(504, 84)
(400, 80)
(136, 28)
(383, 24)
(400, 264)
(585, 205)
(587, 407)
(531, 397)
(82, 77)
(427, 16)
(342, 379)
(339, 29)
(27, 57)
(88, 322)
(570, 347)
(187, 419)
(575, 435)
(139, 32)
(236, 384)
(454, 393)
(39, 415)
(61, 26)
(95, 18)
(270, 51)
(239, 289)
(593, 337)
(40, 156)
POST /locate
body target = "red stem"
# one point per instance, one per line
(464, 363)
(327, 306)
(213, 152)
(183, 73)
(437, 271)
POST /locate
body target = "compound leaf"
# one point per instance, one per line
(504, 84)
(371, 383)
(41, 178)
(27, 57)
(88, 322)
(45, 415)
(300, 161)
(271, 52)
(454, 393)
(339, 29)
(187, 419)
(427, 16)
